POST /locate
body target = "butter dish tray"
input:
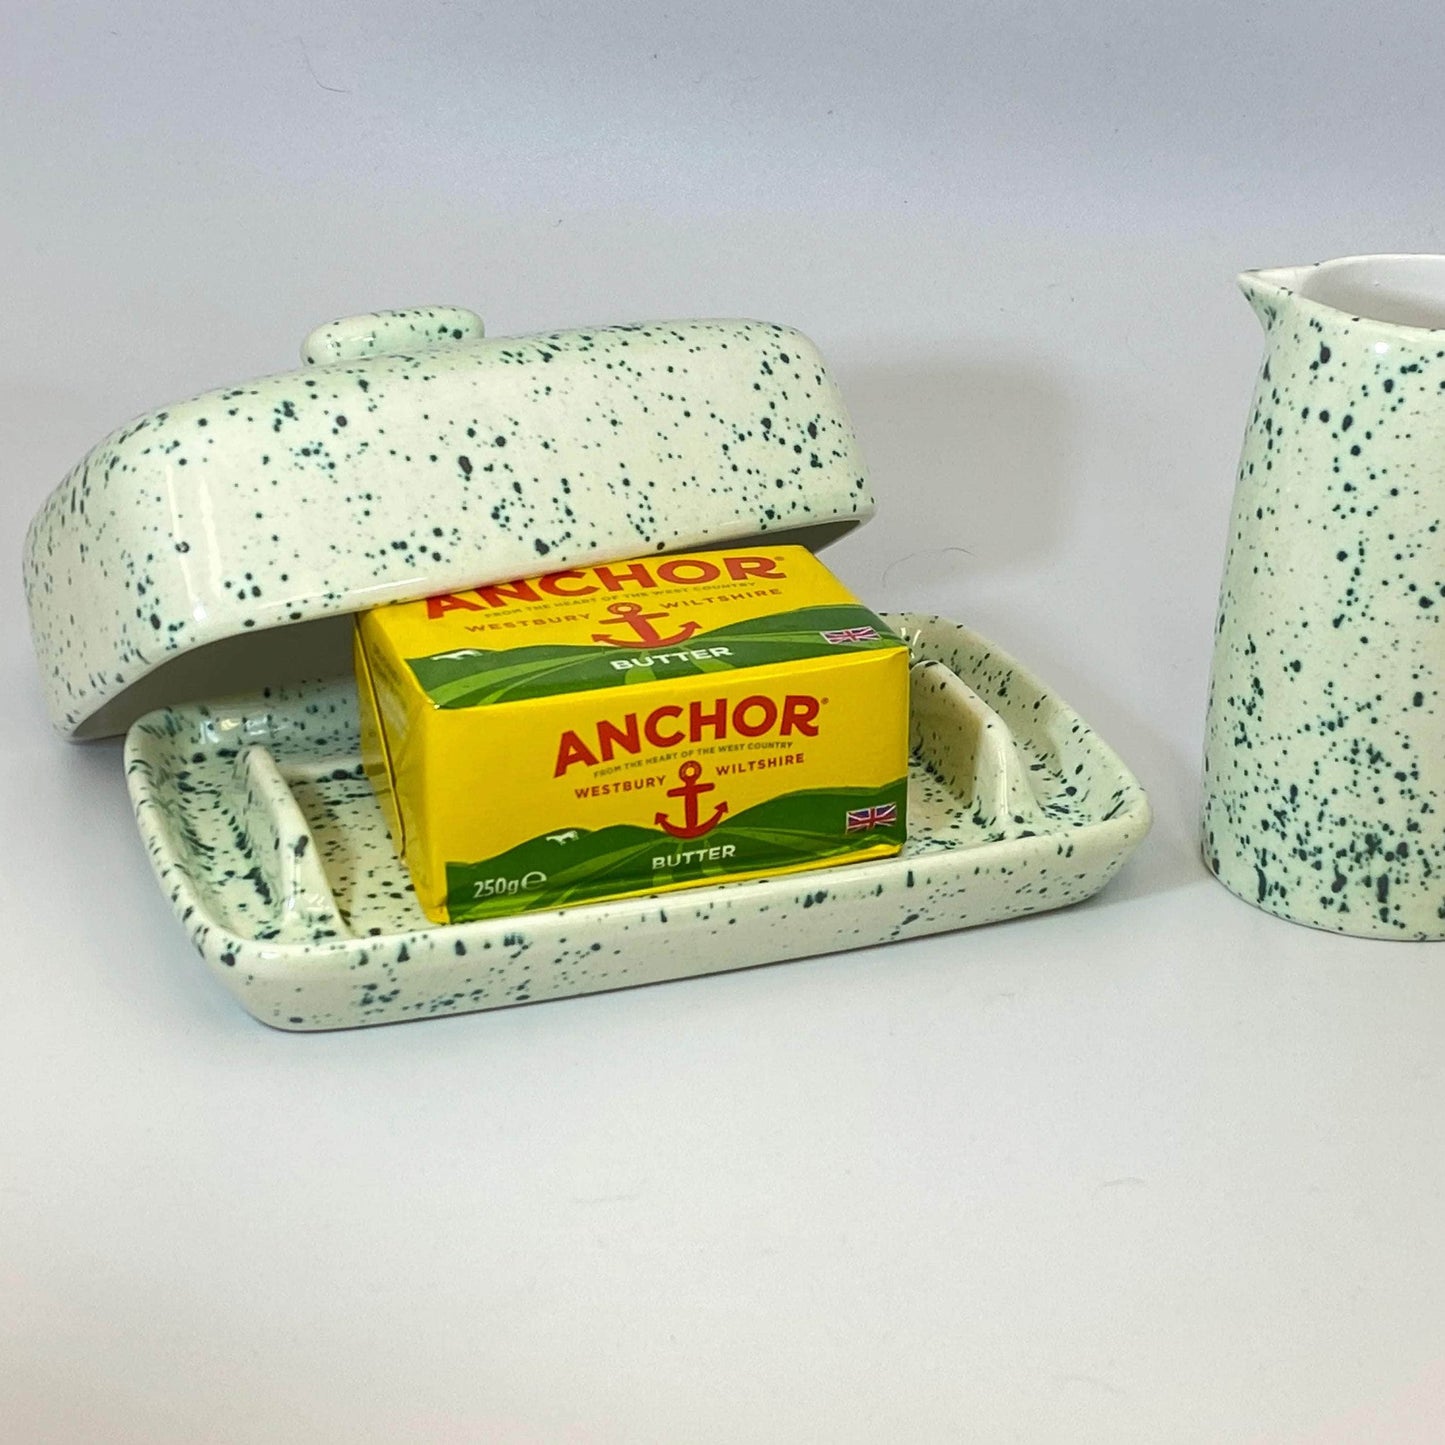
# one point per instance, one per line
(195, 574)
(271, 846)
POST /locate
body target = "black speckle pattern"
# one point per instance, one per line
(412, 457)
(1325, 751)
(269, 843)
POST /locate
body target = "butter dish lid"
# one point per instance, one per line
(221, 544)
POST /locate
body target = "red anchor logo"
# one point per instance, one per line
(640, 622)
(689, 792)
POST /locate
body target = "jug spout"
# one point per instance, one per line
(1270, 291)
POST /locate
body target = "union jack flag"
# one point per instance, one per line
(852, 634)
(882, 815)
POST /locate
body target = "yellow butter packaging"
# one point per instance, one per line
(633, 728)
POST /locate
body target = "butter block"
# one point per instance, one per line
(633, 728)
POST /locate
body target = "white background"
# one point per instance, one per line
(1159, 1168)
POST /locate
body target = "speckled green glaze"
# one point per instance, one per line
(410, 457)
(1324, 789)
(269, 843)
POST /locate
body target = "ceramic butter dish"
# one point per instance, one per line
(195, 576)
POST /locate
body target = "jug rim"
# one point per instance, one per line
(1386, 290)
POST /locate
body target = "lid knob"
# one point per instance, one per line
(378, 333)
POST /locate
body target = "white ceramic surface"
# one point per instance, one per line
(414, 457)
(1324, 797)
(269, 843)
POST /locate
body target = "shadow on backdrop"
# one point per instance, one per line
(975, 470)
(976, 452)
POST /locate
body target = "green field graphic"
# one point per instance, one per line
(573, 865)
(479, 676)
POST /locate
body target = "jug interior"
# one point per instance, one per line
(1396, 290)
